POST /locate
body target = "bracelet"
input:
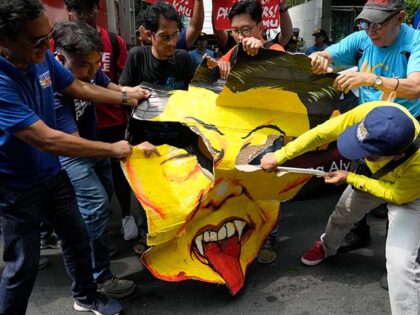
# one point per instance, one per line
(398, 84)
(124, 101)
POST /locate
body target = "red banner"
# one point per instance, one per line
(271, 13)
(183, 7)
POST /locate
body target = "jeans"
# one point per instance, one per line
(92, 182)
(20, 217)
(402, 245)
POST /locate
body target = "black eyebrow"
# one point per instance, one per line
(206, 125)
(274, 127)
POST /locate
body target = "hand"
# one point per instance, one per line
(224, 68)
(319, 64)
(251, 45)
(211, 63)
(136, 94)
(337, 178)
(352, 79)
(269, 163)
(121, 150)
(148, 149)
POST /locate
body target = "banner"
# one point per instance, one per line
(183, 7)
(271, 13)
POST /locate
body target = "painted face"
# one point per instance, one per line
(164, 39)
(206, 223)
(32, 44)
(84, 67)
(244, 26)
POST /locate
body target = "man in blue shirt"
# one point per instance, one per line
(320, 39)
(201, 50)
(32, 184)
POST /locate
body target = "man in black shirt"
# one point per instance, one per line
(160, 63)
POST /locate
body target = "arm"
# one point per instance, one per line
(96, 94)
(286, 26)
(196, 23)
(53, 141)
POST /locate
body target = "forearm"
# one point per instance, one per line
(286, 28)
(405, 88)
(196, 23)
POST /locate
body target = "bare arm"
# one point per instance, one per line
(53, 141)
(96, 94)
(286, 26)
(196, 23)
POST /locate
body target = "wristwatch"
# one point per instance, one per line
(124, 101)
(377, 81)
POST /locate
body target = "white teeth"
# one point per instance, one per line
(199, 244)
(239, 227)
(206, 236)
(221, 235)
(230, 227)
(213, 236)
(227, 230)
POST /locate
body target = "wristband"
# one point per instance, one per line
(396, 87)
(124, 101)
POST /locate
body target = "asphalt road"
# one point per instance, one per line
(344, 284)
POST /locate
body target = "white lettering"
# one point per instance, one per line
(223, 13)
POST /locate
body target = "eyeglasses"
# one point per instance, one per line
(244, 30)
(166, 37)
(41, 41)
(365, 25)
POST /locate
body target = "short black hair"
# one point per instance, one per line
(154, 12)
(14, 13)
(76, 38)
(81, 5)
(251, 7)
(139, 21)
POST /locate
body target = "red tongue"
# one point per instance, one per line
(223, 257)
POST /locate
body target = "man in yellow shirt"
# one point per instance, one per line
(379, 132)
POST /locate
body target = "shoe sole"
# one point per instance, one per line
(310, 262)
(80, 308)
(266, 262)
(119, 295)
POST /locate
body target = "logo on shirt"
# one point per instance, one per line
(80, 108)
(45, 80)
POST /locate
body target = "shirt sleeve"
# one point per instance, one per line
(403, 190)
(345, 52)
(102, 79)
(122, 58)
(414, 60)
(60, 76)
(227, 56)
(65, 119)
(131, 75)
(15, 114)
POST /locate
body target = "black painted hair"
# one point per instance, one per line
(76, 38)
(251, 7)
(14, 13)
(154, 12)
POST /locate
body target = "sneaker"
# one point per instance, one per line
(50, 242)
(116, 288)
(383, 282)
(355, 239)
(129, 228)
(314, 256)
(102, 305)
(43, 262)
(268, 253)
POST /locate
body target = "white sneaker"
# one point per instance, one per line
(129, 228)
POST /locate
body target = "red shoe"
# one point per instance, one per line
(314, 256)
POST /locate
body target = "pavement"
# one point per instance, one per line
(343, 284)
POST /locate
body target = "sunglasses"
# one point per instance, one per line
(365, 25)
(40, 42)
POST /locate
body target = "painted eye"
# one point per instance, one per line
(181, 167)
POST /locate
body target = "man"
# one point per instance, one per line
(79, 48)
(201, 50)
(387, 54)
(247, 29)
(320, 39)
(226, 41)
(112, 121)
(379, 132)
(301, 45)
(32, 183)
(187, 36)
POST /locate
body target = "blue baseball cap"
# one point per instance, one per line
(385, 131)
